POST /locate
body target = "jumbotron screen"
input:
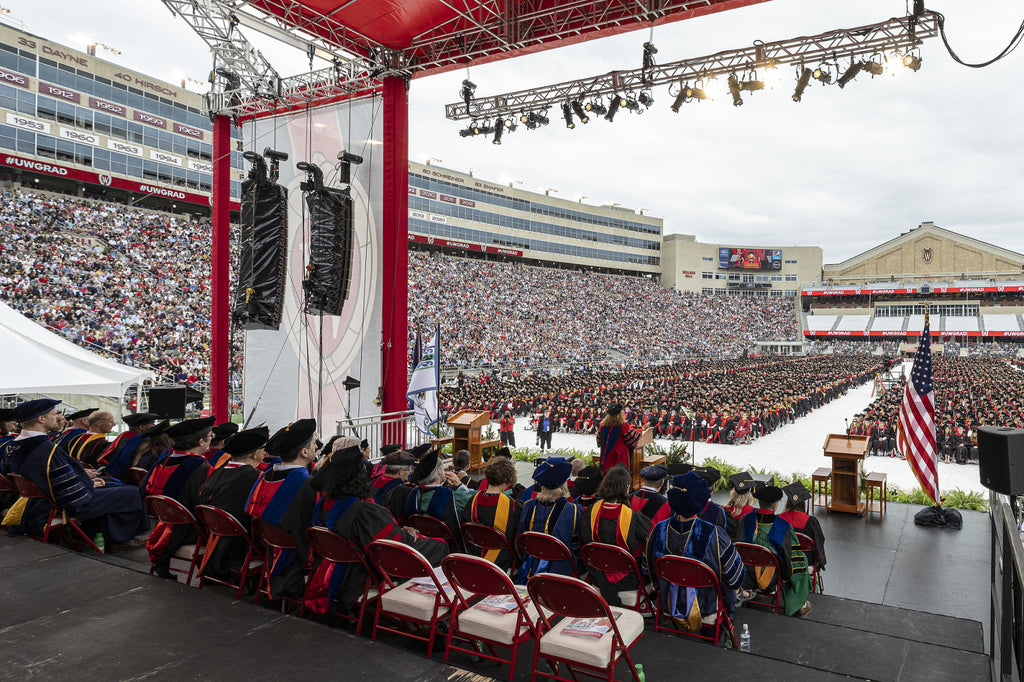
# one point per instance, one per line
(749, 259)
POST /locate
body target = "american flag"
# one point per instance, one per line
(916, 438)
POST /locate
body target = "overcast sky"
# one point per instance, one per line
(844, 169)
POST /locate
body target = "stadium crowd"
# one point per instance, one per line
(509, 315)
(131, 283)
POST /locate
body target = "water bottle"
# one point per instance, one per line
(100, 542)
(640, 672)
(745, 639)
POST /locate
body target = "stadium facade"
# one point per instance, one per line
(72, 122)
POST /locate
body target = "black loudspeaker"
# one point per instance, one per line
(330, 250)
(259, 296)
(1001, 459)
(169, 401)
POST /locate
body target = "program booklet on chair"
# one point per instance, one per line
(425, 584)
(501, 603)
(595, 628)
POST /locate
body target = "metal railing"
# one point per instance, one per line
(1006, 621)
(383, 429)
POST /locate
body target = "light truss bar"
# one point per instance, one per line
(901, 33)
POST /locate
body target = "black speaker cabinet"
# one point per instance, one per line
(1001, 459)
(169, 401)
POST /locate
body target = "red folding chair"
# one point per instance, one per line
(57, 518)
(423, 604)
(757, 557)
(606, 558)
(477, 577)
(432, 527)
(487, 538)
(575, 600)
(337, 550)
(274, 539)
(685, 572)
(811, 550)
(222, 526)
(136, 475)
(170, 512)
(546, 548)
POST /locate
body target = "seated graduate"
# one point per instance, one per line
(115, 510)
(764, 528)
(75, 424)
(87, 447)
(156, 445)
(687, 535)
(180, 475)
(495, 507)
(282, 496)
(385, 450)
(346, 509)
(577, 466)
(551, 512)
(650, 500)
(796, 515)
(518, 489)
(741, 500)
(460, 467)
(228, 488)
(611, 520)
(712, 512)
(390, 488)
(215, 454)
(115, 458)
(438, 493)
(588, 480)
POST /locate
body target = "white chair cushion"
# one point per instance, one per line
(185, 552)
(402, 601)
(628, 598)
(593, 652)
(495, 627)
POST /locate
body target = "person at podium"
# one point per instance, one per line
(616, 438)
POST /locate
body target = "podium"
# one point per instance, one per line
(637, 459)
(846, 452)
(466, 425)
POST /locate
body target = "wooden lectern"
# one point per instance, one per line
(847, 452)
(637, 459)
(466, 425)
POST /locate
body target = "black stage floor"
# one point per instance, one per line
(901, 603)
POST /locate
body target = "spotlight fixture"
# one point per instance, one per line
(567, 115)
(525, 118)
(613, 107)
(499, 128)
(822, 75)
(467, 132)
(529, 120)
(751, 86)
(541, 118)
(597, 108)
(734, 90)
(850, 74)
(649, 51)
(580, 114)
(632, 105)
(468, 88)
(510, 123)
(801, 84)
(696, 93)
(646, 98)
(874, 68)
(680, 98)
(912, 62)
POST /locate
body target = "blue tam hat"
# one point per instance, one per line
(688, 494)
(552, 472)
(33, 409)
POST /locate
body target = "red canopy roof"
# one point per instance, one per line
(439, 35)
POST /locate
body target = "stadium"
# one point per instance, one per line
(266, 362)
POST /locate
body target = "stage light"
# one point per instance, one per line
(541, 118)
(510, 123)
(466, 132)
(850, 74)
(713, 87)
(801, 84)
(874, 68)
(567, 115)
(632, 105)
(696, 93)
(613, 107)
(468, 88)
(734, 90)
(822, 75)
(751, 86)
(525, 118)
(499, 128)
(912, 62)
(646, 98)
(649, 51)
(580, 114)
(596, 108)
(680, 98)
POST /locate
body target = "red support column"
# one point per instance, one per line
(395, 255)
(220, 263)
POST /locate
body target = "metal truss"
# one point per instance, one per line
(897, 34)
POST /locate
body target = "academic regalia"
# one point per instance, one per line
(768, 530)
(497, 510)
(695, 539)
(732, 523)
(616, 442)
(809, 526)
(7, 499)
(180, 475)
(282, 496)
(391, 493)
(87, 447)
(67, 434)
(560, 519)
(116, 510)
(216, 457)
(360, 522)
(228, 488)
(116, 457)
(442, 503)
(619, 525)
(713, 513)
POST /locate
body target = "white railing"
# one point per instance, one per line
(384, 429)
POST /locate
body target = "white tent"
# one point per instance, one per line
(38, 361)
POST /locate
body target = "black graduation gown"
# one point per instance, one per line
(186, 492)
(296, 519)
(228, 488)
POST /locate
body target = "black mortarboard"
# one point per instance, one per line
(190, 429)
(247, 442)
(386, 450)
(614, 409)
(157, 430)
(420, 450)
(796, 492)
(338, 469)
(81, 414)
(140, 418)
(655, 472)
(503, 451)
(768, 493)
(742, 482)
(224, 430)
(587, 480)
(5, 415)
(294, 435)
(678, 468)
(425, 467)
(709, 474)
(33, 409)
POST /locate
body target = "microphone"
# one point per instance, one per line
(847, 428)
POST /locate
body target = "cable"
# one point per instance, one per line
(1014, 42)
